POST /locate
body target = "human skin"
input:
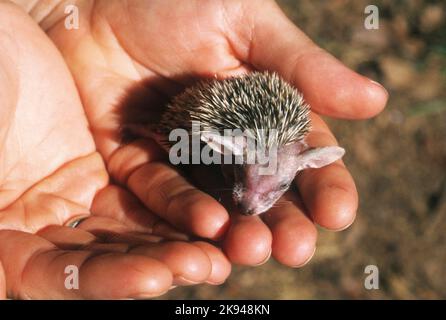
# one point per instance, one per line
(2, 283)
(50, 173)
(121, 43)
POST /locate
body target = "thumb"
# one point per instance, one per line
(266, 39)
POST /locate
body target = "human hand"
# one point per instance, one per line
(158, 46)
(51, 174)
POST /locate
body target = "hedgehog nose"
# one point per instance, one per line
(245, 208)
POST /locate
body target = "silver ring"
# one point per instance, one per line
(74, 222)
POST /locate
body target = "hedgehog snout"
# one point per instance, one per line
(244, 201)
(252, 203)
(240, 200)
(245, 208)
(249, 208)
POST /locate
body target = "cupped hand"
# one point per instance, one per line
(51, 175)
(158, 46)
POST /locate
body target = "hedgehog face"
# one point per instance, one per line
(255, 193)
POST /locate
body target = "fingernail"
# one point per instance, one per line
(179, 280)
(306, 261)
(215, 283)
(265, 260)
(379, 85)
(344, 227)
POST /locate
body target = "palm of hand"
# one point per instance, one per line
(51, 173)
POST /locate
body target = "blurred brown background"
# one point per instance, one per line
(398, 160)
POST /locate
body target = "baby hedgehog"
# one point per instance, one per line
(271, 112)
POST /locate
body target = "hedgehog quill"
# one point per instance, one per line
(271, 112)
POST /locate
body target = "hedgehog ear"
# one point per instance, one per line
(319, 157)
(224, 144)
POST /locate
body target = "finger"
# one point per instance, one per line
(128, 158)
(35, 270)
(248, 241)
(329, 193)
(166, 192)
(86, 175)
(108, 230)
(221, 267)
(188, 263)
(67, 238)
(117, 203)
(294, 234)
(2, 283)
(253, 251)
(267, 39)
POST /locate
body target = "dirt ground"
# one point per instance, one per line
(398, 160)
